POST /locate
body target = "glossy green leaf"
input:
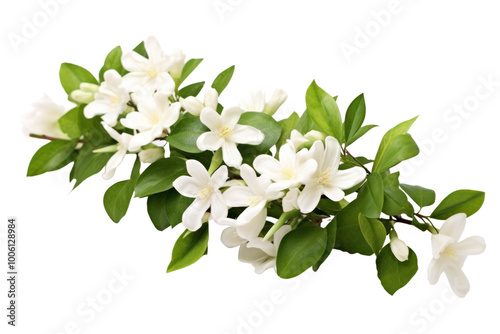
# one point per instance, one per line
(141, 49)
(360, 133)
(422, 196)
(394, 274)
(188, 68)
(324, 111)
(88, 163)
(191, 90)
(70, 123)
(222, 80)
(373, 231)
(269, 127)
(460, 201)
(354, 117)
(157, 212)
(371, 196)
(331, 230)
(306, 123)
(73, 75)
(51, 156)
(185, 133)
(189, 248)
(176, 204)
(386, 149)
(349, 236)
(287, 125)
(159, 176)
(113, 61)
(299, 250)
(402, 148)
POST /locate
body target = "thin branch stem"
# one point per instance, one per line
(357, 161)
(53, 138)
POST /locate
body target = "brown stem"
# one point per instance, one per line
(359, 163)
(53, 138)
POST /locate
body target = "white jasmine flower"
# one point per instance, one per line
(177, 60)
(262, 254)
(298, 139)
(225, 132)
(250, 230)
(254, 197)
(205, 189)
(398, 247)
(150, 73)
(122, 148)
(328, 180)
(151, 155)
(290, 171)
(86, 93)
(290, 200)
(256, 101)
(194, 106)
(111, 99)
(43, 119)
(449, 254)
(155, 115)
(230, 237)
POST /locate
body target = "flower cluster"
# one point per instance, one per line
(287, 192)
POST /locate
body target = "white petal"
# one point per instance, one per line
(266, 246)
(230, 154)
(439, 243)
(277, 99)
(112, 132)
(290, 200)
(133, 62)
(209, 141)
(96, 108)
(265, 164)
(219, 177)
(137, 121)
(306, 170)
(252, 230)
(254, 101)
(153, 48)
(113, 78)
(188, 186)
(345, 179)
(399, 249)
(454, 226)
(288, 155)
(297, 138)
(218, 208)
(458, 281)
(230, 238)
(250, 213)
(237, 196)
(309, 198)
(471, 246)
(245, 134)
(251, 254)
(211, 98)
(279, 234)
(250, 177)
(140, 139)
(436, 268)
(261, 267)
(113, 163)
(134, 81)
(231, 116)
(332, 153)
(192, 217)
(333, 193)
(193, 105)
(211, 119)
(198, 171)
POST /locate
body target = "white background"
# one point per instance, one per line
(427, 58)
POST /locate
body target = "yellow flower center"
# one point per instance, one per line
(205, 192)
(152, 72)
(324, 177)
(225, 131)
(252, 201)
(287, 172)
(115, 100)
(154, 118)
(450, 252)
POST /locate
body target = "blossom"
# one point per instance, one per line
(205, 189)
(151, 155)
(122, 148)
(290, 200)
(328, 180)
(111, 99)
(155, 115)
(262, 254)
(254, 196)
(225, 132)
(230, 237)
(150, 73)
(449, 253)
(86, 93)
(177, 59)
(43, 119)
(398, 247)
(194, 106)
(289, 171)
(256, 101)
(298, 139)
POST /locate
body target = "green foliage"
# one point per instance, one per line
(354, 117)
(268, 126)
(113, 62)
(299, 250)
(222, 80)
(349, 236)
(88, 163)
(191, 90)
(306, 123)
(188, 68)
(69, 123)
(52, 156)
(371, 196)
(331, 230)
(185, 132)
(157, 210)
(373, 231)
(141, 49)
(460, 201)
(73, 75)
(189, 248)
(420, 195)
(287, 125)
(159, 176)
(360, 133)
(394, 274)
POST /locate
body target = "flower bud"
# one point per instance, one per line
(177, 59)
(89, 87)
(151, 155)
(81, 96)
(279, 97)
(297, 138)
(398, 247)
(314, 135)
(211, 99)
(192, 105)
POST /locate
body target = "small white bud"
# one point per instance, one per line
(151, 155)
(192, 105)
(398, 247)
(177, 58)
(279, 97)
(81, 96)
(314, 135)
(211, 99)
(89, 87)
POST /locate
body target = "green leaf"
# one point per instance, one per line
(141, 49)
(287, 125)
(349, 236)
(299, 250)
(371, 196)
(117, 197)
(222, 80)
(460, 201)
(403, 148)
(176, 204)
(269, 127)
(330, 207)
(157, 212)
(70, 123)
(159, 176)
(113, 61)
(189, 248)
(191, 90)
(373, 231)
(422, 196)
(324, 111)
(395, 200)
(51, 156)
(185, 132)
(394, 274)
(188, 68)
(355, 116)
(360, 133)
(88, 163)
(349, 162)
(331, 230)
(73, 75)
(383, 154)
